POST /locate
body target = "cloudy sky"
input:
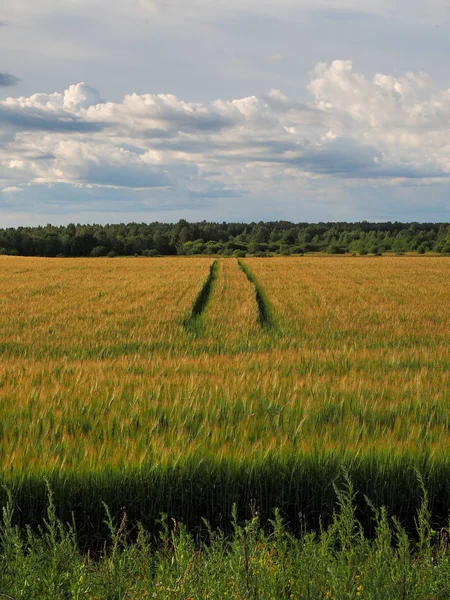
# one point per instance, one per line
(236, 110)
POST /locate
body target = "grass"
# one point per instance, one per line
(109, 397)
(256, 560)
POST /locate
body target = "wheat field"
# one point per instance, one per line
(109, 395)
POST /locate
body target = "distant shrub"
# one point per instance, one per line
(363, 252)
(99, 251)
(254, 247)
(335, 249)
(3, 251)
(150, 252)
(111, 254)
(239, 254)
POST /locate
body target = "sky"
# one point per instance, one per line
(237, 110)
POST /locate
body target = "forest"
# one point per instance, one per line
(238, 239)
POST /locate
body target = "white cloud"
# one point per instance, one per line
(354, 128)
(11, 189)
(75, 97)
(81, 96)
(396, 115)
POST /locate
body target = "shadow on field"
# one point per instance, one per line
(197, 488)
(266, 317)
(192, 321)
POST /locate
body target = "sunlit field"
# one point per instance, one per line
(112, 390)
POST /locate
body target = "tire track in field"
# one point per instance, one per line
(230, 320)
(266, 317)
(192, 321)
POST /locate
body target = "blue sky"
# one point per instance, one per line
(239, 110)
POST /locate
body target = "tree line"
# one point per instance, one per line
(238, 239)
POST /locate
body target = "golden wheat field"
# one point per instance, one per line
(99, 371)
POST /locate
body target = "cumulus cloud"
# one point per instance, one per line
(99, 164)
(353, 128)
(400, 116)
(52, 112)
(8, 80)
(80, 96)
(29, 120)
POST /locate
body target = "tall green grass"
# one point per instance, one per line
(196, 487)
(259, 558)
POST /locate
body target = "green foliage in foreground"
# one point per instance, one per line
(192, 489)
(253, 562)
